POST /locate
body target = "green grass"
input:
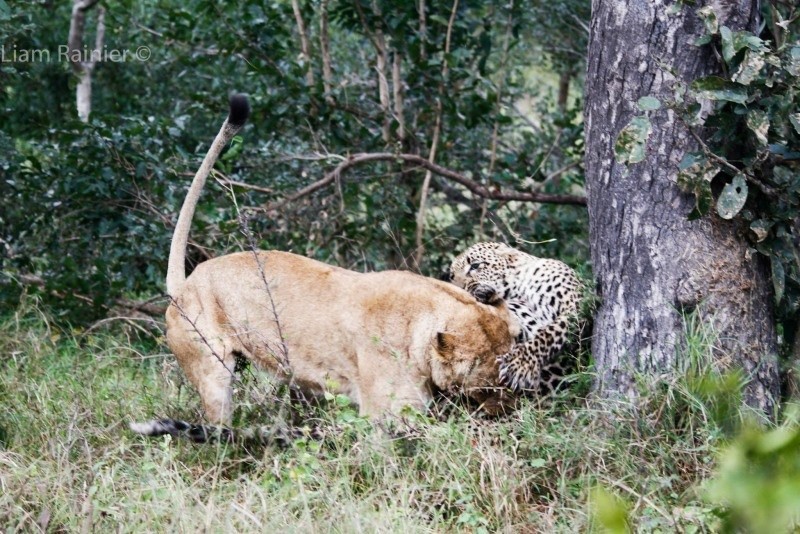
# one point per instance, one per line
(69, 463)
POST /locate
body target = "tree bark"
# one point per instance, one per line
(83, 63)
(652, 265)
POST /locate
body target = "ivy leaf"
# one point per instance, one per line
(793, 61)
(716, 88)
(728, 50)
(696, 173)
(783, 151)
(778, 277)
(794, 118)
(758, 122)
(733, 197)
(631, 141)
(749, 68)
(648, 103)
(761, 229)
(733, 42)
(709, 19)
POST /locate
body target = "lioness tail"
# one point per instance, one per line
(237, 116)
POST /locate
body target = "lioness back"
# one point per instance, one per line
(327, 327)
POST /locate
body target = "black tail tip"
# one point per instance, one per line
(239, 109)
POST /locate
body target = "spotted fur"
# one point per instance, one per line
(543, 293)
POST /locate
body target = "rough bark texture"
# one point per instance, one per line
(82, 65)
(651, 263)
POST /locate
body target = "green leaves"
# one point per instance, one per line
(648, 103)
(631, 141)
(753, 127)
(749, 68)
(694, 176)
(610, 512)
(716, 88)
(792, 64)
(758, 121)
(778, 278)
(733, 197)
(758, 480)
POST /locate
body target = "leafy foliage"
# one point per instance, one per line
(748, 127)
(758, 481)
(753, 141)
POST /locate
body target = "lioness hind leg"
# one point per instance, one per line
(209, 364)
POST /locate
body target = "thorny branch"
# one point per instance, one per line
(203, 339)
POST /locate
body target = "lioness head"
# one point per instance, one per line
(466, 356)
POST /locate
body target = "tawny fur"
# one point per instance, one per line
(383, 339)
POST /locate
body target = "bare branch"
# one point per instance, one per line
(766, 189)
(225, 181)
(305, 46)
(423, 31)
(151, 306)
(378, 41)
(474, 187)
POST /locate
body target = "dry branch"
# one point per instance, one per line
(474, 187)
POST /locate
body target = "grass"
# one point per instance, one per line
(69, 463)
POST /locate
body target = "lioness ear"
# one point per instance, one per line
(445, 343)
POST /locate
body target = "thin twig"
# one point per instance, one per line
(767, 190)
(227, 182)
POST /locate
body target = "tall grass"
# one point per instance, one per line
(69, 463)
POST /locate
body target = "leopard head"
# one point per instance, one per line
(483, 270)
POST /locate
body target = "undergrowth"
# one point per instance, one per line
(69, 463)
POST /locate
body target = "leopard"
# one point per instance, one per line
(544, 294)
(387, 340)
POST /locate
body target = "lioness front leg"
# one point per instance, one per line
(207, 362)
(387, 385)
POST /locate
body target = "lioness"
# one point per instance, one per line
(383, 339)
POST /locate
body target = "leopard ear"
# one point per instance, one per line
(445, 344)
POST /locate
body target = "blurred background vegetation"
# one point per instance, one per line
(87, 209)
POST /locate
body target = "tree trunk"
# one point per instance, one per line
(82, 63)
(653, 265)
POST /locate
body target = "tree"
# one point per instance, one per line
(654, 264)
(83, 63)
